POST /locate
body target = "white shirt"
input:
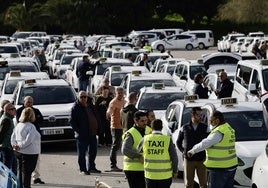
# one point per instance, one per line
(27, 138)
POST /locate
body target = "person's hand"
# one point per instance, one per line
(205, 84)
(175, 174)
(16, 147)
(142, 159)
(189, 154)
(103, 102)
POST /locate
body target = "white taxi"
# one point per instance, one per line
(117, 73)
(54, 98)
(133, 82)
(247, 119)
(260, 170)
(13, 77)
(184, 73)
(164, 60)
(158, 97)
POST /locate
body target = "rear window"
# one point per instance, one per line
(8, 49)
(200, 35)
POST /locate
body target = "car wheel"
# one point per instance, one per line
(160, 48)
(189, 47)
(201, 46)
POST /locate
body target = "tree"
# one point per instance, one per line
(244, 11)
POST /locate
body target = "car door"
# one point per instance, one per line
(171, 42)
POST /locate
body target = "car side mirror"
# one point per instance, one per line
(173, 125)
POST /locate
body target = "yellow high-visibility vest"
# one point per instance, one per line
(222, 154)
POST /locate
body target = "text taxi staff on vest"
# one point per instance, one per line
(221, 159)
(160, 157)
(133, 160)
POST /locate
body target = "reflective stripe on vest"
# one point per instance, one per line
(157, 162)
(135, 163)
(222, 154)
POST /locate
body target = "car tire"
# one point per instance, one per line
(201, 46)
(160, 47)
(189, 47)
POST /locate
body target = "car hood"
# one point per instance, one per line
(249, 149)
(159, 113)
(55, 109)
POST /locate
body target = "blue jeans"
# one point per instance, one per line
(87, 145)
(221, 178)
(83, 85)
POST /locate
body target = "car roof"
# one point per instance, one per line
(51, 82)
(27, 75)
(166, 89)
(151, 76)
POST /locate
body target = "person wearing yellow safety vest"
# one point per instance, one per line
(148, 47)
(133, 160)
(160, 158)
(221, 159)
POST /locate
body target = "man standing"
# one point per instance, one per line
(160, 158)
(85, 124)
(226, 86)
(189, 135)
(113, 113)
(28, 102)
(133, 160)
(128, 111)
(221, 158)
(6, 129)
(81, 72)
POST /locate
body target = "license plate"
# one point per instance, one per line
(53, 131)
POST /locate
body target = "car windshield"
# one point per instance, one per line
(170, 69)
(158, 101)
(8, 49)
(136, 85)
(48, 95)
(24, 68)
(116, 78)
(68, 59)
(265, 79)
(152, 59)
(248, 126)
(197, 69)
(10, 86)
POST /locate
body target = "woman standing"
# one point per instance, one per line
(200, 87)
(26, 142)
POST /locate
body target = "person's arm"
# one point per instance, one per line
(29, 137)
(173, 157)
(206, 143)
(180, 140)
(4, 126)
(127, 149)
(110, 110)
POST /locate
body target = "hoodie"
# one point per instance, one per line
(127, 116)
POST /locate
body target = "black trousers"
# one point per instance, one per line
(166, 183)
(117, 139)
(26, 165)
(135, 179)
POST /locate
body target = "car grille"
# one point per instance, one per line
(55, 123)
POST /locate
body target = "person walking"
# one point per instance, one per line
(26, 141)
(221, 160)
(6, 128)
(102, 104)
(128, 111)
(28, 102)
(113, 113)
(81, 72)
(190, 134)
(200, 87)
(226, 88)
(85, 123)
(160, 158)
(133, 160)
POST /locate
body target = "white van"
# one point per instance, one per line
(205, 38)
(169, 31)
(251, 80)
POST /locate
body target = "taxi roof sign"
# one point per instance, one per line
(200, 61)
(30, 81)
(103, 59)
(158, 85)
(172, 62)
(116, 68)
(117, 49)
(3, 63)
(191, 98)
(136, 72)
(14, 73)
(264, 62)
(228, 101)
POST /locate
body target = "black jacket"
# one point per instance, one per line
(127, 116)
(226, 89)
(201, 91)
(38, 117)
(190, 137)
(79, 119)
